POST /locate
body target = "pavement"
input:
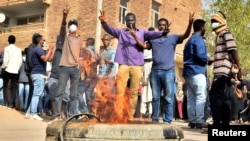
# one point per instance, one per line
(15, 127)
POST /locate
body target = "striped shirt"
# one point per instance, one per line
(223, 60)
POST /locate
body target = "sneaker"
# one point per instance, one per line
(27, 116)
(165, 122)
(191, 125)
(36, 117)
(201, 125)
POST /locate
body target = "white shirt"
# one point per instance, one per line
(147, 54)
(12, 59)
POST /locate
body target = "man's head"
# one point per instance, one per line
(163, 24)
(106, 40)
(90, 42)
(72, 25)
(34, 36)
(130, 20)
(218, 21)
(38, 40)
(151, 29)
(11, 39)
(199, 26)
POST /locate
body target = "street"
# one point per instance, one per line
(14, 127)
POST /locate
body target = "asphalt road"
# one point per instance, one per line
(15, 127)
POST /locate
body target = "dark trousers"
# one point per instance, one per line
(65, 74)
(9, 99)
(31, 90)
(220, 100)
(44, 101)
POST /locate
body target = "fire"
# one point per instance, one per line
(108, 106)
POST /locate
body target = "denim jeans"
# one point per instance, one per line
(163, 81)
(87, 87)
(39, 83)
(82, 104)
(24, 89)
(196, 98)
(1, 91)
(65, 74)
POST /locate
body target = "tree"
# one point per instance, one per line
(238, 20)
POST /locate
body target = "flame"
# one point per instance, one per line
(108, 106)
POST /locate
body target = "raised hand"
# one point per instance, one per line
(102, 17)
(191, 17)
(132, 32)
(66, 11)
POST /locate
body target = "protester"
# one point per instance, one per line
(162, 77)
(225, 56)
(12, 62)
(69, 70)
(54, 75)
(39, 59)
(129, 57)
(195, 63)
(23, 85)
(89, 78)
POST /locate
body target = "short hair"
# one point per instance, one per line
(37, 39)
(198, 24)
(163, 19)
(91, 41)
(106, 35)
(11, 39)
(73, 21)
(151, 29)
(130, 14)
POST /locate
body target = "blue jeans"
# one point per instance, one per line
(65, 74)
(196, 98)
(24, 89)
(1, 91)
(39, 83)
(87, 87)
(163, 81)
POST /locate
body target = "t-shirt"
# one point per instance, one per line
(163, 51)
(39, 66)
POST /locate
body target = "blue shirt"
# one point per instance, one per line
(38, 65)
(128, 52)
(195, 56)
(104, 69)
(163, 51)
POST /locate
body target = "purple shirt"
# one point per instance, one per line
(128, 52)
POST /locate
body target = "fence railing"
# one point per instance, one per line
(28, 27)
(11, 2)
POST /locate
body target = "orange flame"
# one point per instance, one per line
(108, 106)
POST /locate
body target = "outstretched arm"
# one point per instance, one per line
(188, 30)
(109, 29)
(62, 33)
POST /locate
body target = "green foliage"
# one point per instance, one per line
(238, 21)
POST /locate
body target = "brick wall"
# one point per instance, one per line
(176, 11)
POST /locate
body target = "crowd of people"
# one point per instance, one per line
(142, 57)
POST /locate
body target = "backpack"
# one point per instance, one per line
(28, 65)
